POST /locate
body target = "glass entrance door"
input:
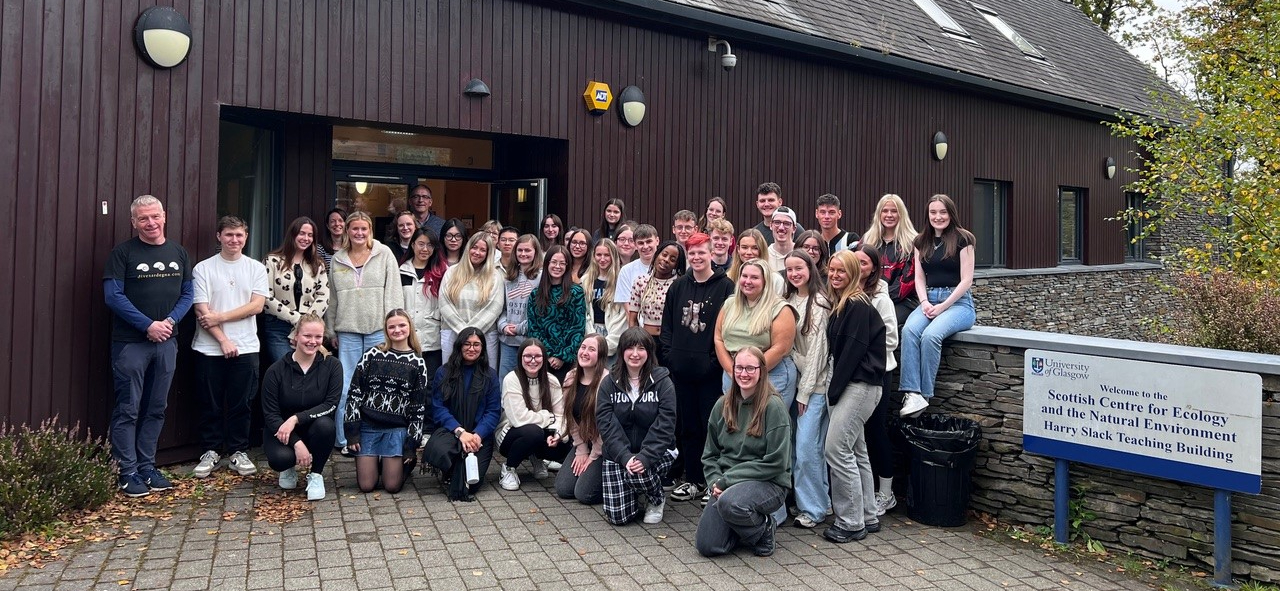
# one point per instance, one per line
(520, 203)
(377, 195)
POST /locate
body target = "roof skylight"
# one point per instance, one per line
(941, 17)
(1021, 42)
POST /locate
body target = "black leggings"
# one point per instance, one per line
(444, 451)
(879, 445)
(525, 442)
(318, 437)
(694, 400)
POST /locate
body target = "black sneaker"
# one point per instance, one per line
(872, 527)
(840, 535)
(765, 545)
(154, 479)
(133, 486)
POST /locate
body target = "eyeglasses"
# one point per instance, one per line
(781, 223)
(531, 357)
(557, 264)
(454, 237)
(625, 240)
(468, 345)
(747, 369)
(420, 197)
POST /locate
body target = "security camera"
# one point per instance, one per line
(728, 61)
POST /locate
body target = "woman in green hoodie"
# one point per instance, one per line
(747, 462)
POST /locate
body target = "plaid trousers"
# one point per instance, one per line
(623, 490)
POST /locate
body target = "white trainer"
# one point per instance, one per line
(509, 480)
(208, 463)
(315, 487)
(913, 404)
(885, 502)
(289, 479)
(653, 513)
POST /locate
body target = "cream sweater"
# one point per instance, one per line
(810, 351)
(469, 310)
(884, 305)
(361, 298)
(516, 414)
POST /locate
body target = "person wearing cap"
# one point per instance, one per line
(784, 231)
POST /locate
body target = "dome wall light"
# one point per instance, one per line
(940, 146)
(476, 88)
(162, 36)
(361, 187)
(1109, 167)
(633, 106)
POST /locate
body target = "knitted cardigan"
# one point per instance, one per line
(315, 290)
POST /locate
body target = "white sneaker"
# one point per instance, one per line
(539, 468)
(913, 404)
(885, 502)
(289, 479)
(554, 466)
(315, 487)
(653, 514)
(208, 463)
(241, 463)
(687, 492)
(508, 480)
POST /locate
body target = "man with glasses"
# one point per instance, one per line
(420, 202)
(784, 227)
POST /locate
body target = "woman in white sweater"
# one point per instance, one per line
(365, 287)
(532, 416)
(472, 295)
(421, 275)
(605, 316)
(879, 444)
(805, 292)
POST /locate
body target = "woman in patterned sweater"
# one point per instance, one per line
(299, 280)
(386, 405)
(556, 308)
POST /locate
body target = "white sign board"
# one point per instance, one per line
(1189, 424)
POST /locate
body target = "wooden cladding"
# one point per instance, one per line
(85, 121)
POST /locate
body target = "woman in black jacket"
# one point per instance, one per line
(299, 395)
(636, 415)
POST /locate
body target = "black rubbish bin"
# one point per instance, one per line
(942, 450)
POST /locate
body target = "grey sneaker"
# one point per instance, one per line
(803, 521)
(208, 463)
(509, 480)
(315, 487)
(241, 463)
(885, 502)
(539, 468)
(289, 479)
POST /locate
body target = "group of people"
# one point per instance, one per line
(747, 371)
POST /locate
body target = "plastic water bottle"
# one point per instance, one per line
(473, 469)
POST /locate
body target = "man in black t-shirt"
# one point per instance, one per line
(147, 285)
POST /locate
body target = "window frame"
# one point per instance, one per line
(997, 22)
(1135, 248)
(1080, 197)
(944, 21)
(996, 241)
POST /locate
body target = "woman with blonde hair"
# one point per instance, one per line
(856, 338)
(300, 395)
(471, 295)
(604, 316)
(365, 286)
(892, 234)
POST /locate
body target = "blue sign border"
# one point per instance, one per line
(1140, 464)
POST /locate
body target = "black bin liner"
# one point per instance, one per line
(942, 450)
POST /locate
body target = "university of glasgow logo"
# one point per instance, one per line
(1037, 366)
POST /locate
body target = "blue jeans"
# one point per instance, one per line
(351, 347)
(813, 492)
(506, 359)
(783, 377)
(275, 338)
(141, 373)
(922, 340)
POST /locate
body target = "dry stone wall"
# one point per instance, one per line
(1089, 301)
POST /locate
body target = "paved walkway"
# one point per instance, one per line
(523, 540)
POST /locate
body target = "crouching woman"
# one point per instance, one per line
(747, 462)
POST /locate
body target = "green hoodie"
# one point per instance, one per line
(730, 458)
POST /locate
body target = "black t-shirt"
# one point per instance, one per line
(579, 402)
(597, 294)
(152, 276)
(943, 272)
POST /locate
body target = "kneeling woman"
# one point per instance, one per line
(636, 415)
(386, 405)
(303, 386)
(747, 462)
(580, 476)
(532, 416)
(465, 406)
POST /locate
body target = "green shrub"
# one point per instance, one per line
(48, 471)
(1220, 310)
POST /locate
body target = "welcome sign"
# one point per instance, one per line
(1202, 426)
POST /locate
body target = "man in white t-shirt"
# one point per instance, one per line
(646, 237)
(784, 228)
(230, 290)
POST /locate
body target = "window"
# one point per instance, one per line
(1136, 248)
(989, 202)
(1070, 224)
(247, 182)
(1021, 42)
(941, 17)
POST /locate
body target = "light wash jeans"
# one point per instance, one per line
(922, 340)
(490, 346)
(783, 377)
(506, 359)
(853, 488)
(351, 347)
(813, 492)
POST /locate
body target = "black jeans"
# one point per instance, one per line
(226, 385)
(879, 444)
(318, 437)
(694, 399)
(522, 443)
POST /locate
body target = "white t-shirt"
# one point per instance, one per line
(627, 276)
(226, 285)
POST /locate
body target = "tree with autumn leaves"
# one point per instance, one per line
(1210, 156)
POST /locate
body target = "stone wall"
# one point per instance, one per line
(981, 377)
(1110, 301)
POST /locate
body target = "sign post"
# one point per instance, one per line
(1194, 425)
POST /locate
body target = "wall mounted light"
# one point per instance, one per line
(1109, 165)
(361, 187)
(633, 106)
(939, 146)
(728, 60)
(477, 88)
(162, 36)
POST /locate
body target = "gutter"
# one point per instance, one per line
(746, 32)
